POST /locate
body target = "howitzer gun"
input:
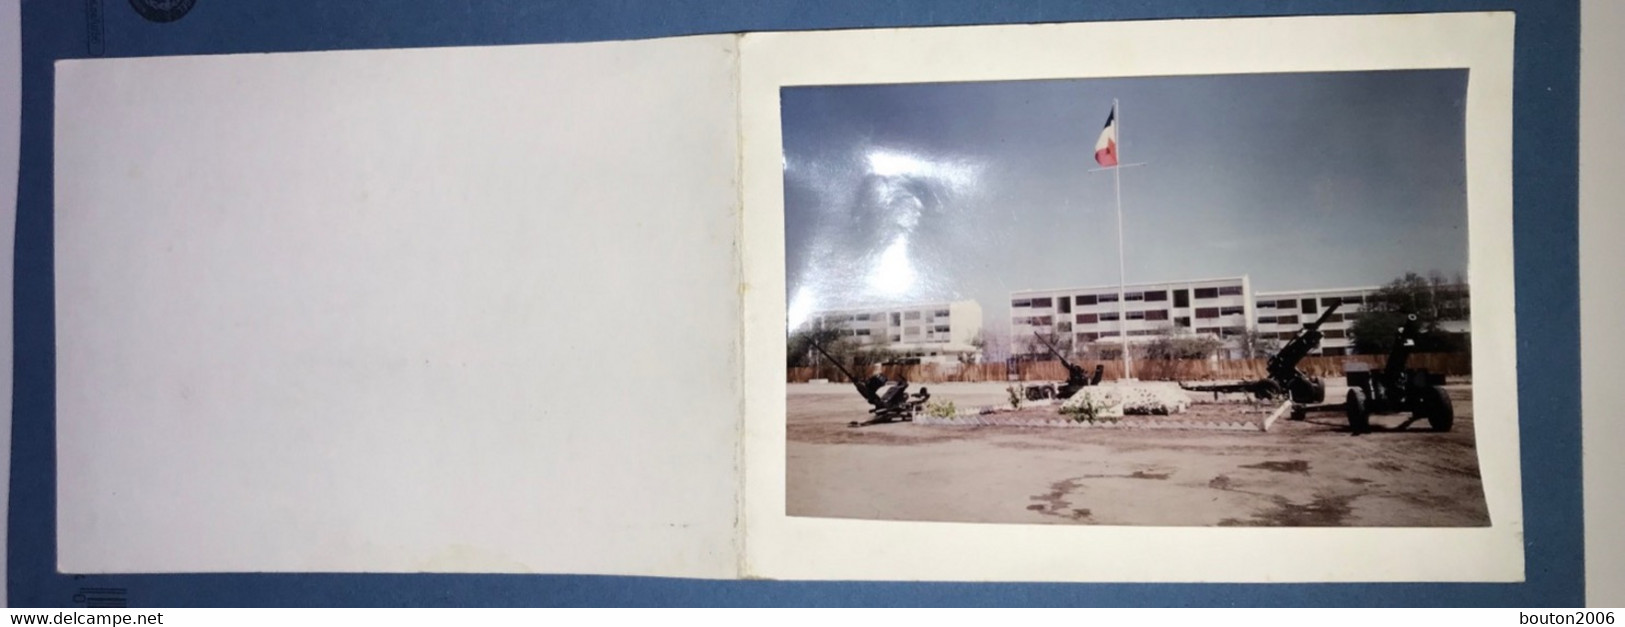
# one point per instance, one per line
(1282, 376)
(893, 404)
(1397, 389)
(1076, 377)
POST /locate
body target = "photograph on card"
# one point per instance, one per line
(1205, 300)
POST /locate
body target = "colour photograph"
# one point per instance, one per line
(1207, 300)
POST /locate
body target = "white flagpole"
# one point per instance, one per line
(1117, 182)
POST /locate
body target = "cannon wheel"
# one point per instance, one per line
(1436, 406)
(1359, 414)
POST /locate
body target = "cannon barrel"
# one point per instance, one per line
(868, 394)
(1053, 351)
(1403, 345)
(1285, 361)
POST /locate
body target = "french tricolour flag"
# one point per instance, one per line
(1106, 146)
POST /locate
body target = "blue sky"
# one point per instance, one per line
(945, 191)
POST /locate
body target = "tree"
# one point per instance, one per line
(1176, 343)
(1256, 345)
(1170, 347)
(1038, 345)
(977, 342)
(800, 351)
(1431, 298)
(995, 345)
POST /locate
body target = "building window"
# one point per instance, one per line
(1182, 298)
(1021, 302)
(1309, 306)
(1231, 311)
(1207, 292)
(1043, 302)
(863, 317)
(1063, 305)
(1230, 290)
(1136, 315)
(1285, 335)
(942, 328)
(911, 315)
(911, 330)
(1286, 304)
(1108, 334)
(1207, 312)
(1287, 320)
(1085, 299)
(941, 313)
(1159, 295)
(1106, 298)
(1156, 314)
(1043, 320)
(1266, 304)
(1334, 334)
(1134, 296)
(1331, 300)
(1143, 332)
(897, 320)
(1266, 319)
(896, 338)
(1334, 352)
(1063, 327)
(1089, 337)
(863, 331)
(1108, 316)
(1336, 317)
(1183, 322)
(1088, 318)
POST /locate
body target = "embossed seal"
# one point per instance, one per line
(162, 10)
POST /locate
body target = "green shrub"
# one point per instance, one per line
(941, 409)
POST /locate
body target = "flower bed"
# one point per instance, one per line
(1129, 406)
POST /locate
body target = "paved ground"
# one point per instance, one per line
(1308, 473)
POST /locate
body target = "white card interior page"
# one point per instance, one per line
(435, 310)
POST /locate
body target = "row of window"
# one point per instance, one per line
(896, 317)
(927, 340)
(1310, 305)
(1330, 334)
(1336, 317)
(1202, 313)
(1222, 331)
(1181, 297)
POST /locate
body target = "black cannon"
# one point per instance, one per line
(1282, 376)
(887, 404)
(1076, 377)
(1397, 389)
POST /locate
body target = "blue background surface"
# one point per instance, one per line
(1546, 115)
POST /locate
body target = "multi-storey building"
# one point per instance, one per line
(931, 332)
(1281, 315)
(1223, 308)
(1218, 307)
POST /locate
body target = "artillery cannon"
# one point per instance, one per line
(892, 404)
(1282, 376)
(1397, 389)
(1076, 377)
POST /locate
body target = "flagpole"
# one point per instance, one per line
(1117, 183)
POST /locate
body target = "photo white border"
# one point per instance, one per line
(784, 547)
